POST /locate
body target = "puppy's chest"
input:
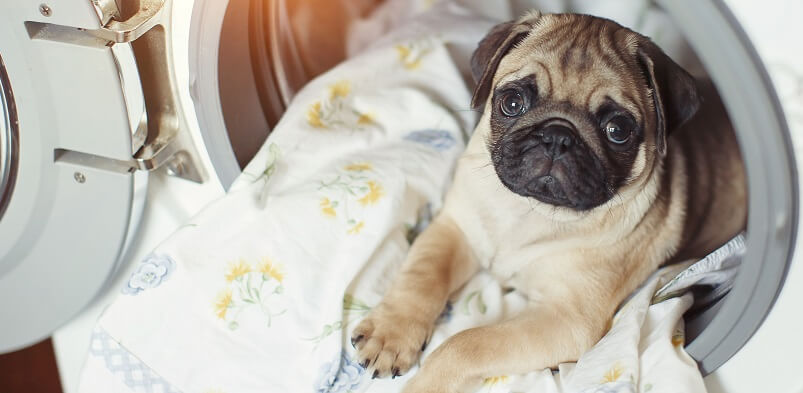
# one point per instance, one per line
(517, 256)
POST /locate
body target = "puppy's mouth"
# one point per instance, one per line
(553, 188)
(571, 178)
(548, 190)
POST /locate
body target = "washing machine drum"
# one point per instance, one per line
(284, 54)
(67, 190)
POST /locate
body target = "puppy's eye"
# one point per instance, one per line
(618, 132)
(511, 104)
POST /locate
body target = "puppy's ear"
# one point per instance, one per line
(492, 49)
(674, 91)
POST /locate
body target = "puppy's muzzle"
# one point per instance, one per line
(550, 162)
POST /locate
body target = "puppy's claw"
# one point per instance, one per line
(355, 340)
(424, 345)
(388, 343)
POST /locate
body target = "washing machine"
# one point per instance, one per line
(119, 120)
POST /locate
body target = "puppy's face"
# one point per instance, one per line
(575, 108)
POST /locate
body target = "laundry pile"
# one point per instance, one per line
(259, 292)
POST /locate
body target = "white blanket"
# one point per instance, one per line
(259, 292)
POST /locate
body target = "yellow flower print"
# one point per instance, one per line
(375, 192)
(222, 303)
(495, 380)
(237, 269)
(359, 167)
(613, 374)
(314, 115)
(678, 338)
(354, 183)
(356, 228)
(337, 110)
(365, 119)
(406, 57)
(411, 54)
(339, 90)
(271, 269)
(327, 208)
(250, 288)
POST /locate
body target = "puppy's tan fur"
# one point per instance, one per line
(575, 267)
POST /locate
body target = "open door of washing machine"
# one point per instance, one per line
(86, 109)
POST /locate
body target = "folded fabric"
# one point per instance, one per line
(717, 271)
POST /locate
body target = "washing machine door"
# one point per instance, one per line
(75, 132)
(753, 342)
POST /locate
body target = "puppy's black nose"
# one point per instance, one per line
(557, 139)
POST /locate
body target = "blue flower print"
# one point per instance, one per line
(438, 139)
(152, 271)
(342, 375)
(421, 223)
(446, 314)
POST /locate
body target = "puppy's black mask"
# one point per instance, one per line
(538, 149)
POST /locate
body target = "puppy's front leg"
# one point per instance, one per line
(390, 339)
(544, 336)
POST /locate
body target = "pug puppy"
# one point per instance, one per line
(587, 171)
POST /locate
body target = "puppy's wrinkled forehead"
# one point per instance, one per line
(581, 60)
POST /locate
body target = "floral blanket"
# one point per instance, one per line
(258, 292)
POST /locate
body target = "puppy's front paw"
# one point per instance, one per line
(390, 340)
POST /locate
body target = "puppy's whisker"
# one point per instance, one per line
(466, 110)
(481, 167)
